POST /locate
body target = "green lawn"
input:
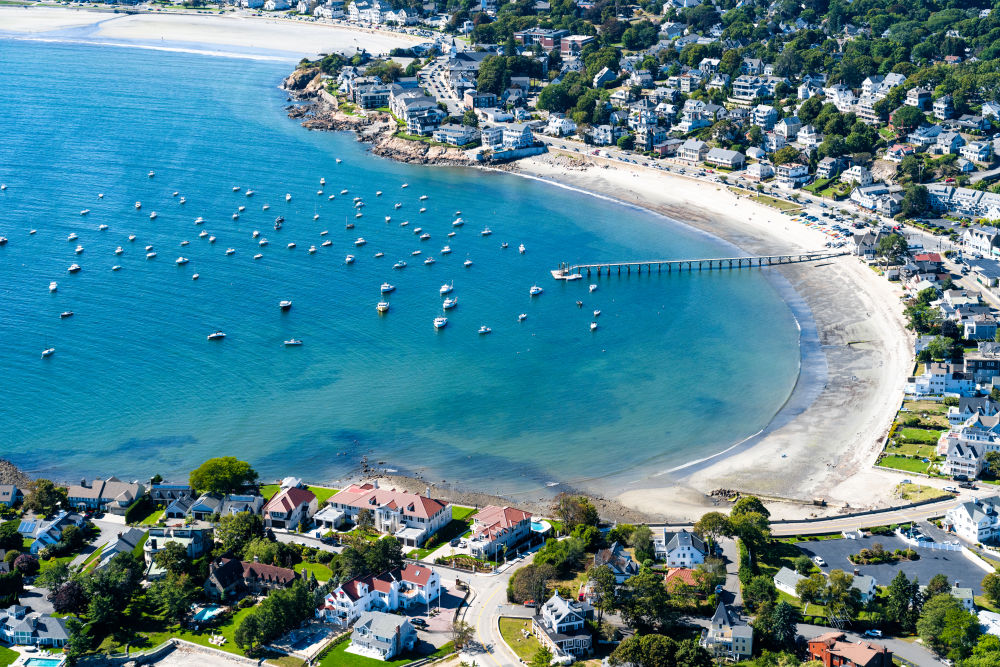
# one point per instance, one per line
(50, 563)
(454, 528)
(154, 631)
(7, 657)
(321, 571)
(778, 555)
(339, 657)
(286, 661)
(918, 493)
(912, 449)
(921, 435)
(903, 463)
(524, 647)
(929, 407)
(322, 493)
(779, 204)
(92, 558)
(151, 520)
(461, 513)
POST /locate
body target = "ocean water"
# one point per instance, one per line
(680, 367)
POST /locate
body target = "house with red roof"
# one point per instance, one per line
(229, 578)
(678, 577)
(833, 650)
(401, 588)
(409, 517)
(289, 507)
(496, 528)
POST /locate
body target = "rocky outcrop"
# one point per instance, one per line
(11, 474)
(418, 152)
(304, 82)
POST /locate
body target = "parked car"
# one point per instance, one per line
(418, 622)
(873, 633)
(819, 561)
(455, 542)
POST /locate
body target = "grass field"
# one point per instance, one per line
(524, 647)
(322, 493)
(912, 449)
(321, 571)
(154, 631)
(903, 463)
(459, 526)
(152, 518)
(339, 657)
(924, 436)
(7, 657)
(916, 493)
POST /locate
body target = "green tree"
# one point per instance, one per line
(645, 651)
(530, 582)
(711, 526)
(942, 626)
(644, 603)
(777, 625)
(936, 586)
(985, 654)
(575, 510)
(893, 247)
(811, 589)
(44, 497)
(470, 118)
(784, 155)
(493, 77)
(542, 658)
(749, 505)
(642, 542)
(10, 539)
(173, 595)
(384, 554)
(760, 591)
(235, 531)
(225, 474)
(906, 119)
(173, 558)
(803, 564)
(809, 110)
(916, 201)
(461, 633)
(843, 600)
(54, 576)
(248, 635)
(603, 595)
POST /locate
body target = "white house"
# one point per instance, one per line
(390, 591)
(759, 171)
(560, 126)
(728, 636)
(289, 507)
(561, 626)
(410, 517)
(382, 636)
(857, 174)
(517, 135)
(940, 379)
(20, 627)
(976, 520)
(791, 174)
(680, 548)
(495, 528)
(455, 135)
(786, 580)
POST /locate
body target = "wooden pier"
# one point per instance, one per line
(575, 271)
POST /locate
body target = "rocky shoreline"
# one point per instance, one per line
(11, 474)
(322, 112)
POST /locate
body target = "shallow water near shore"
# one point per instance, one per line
(680, 367)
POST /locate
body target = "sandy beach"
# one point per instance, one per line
(855, 361)
(231, 34)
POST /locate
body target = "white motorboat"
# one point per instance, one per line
(78, 249)
(423, 210)
(357, 215)
(241, 209)
(324, 233)
(573, 276)
(597, 313)
(131, 237)
(440, 322)
(151, 174)
(382, 306)
(343, 192)
(405, 185)
(183, 200)
(504, 246)
(284, 305)
(152, 216)
(262, 242)
(416, 252)
(399, 265)
(266, 207)
(327, 243)
(447, 288)
(85, 211)
(380, 254)
(72, 237)
(450, 234)
(429, 261)
(211, 239)
(535, 290)
(255, 234)
(360, 242)
(467, 263)
(218, 335)
(100, 195)
(331, 197)
(195, 276)
(53, 286)
(404, 223)
(175, 193)
(425, 237)
(423, 197)
(486, 231)
(448, 304)
(349, 259)
(102, 228)
(322, 181)
(446, 250)
(520, 248)
(236, 216)
(32, 231)
(291, 245)
(181, 261)
(116, 267)
(339, 160)
(386, 288)
(258, 256)
(73, 268)
(150, 255)
(138, 204)
(288, 197)
(148, 248)
(378, 193)
(483, 330)
(293, 342)
(184, 243)
(458, 222)
(316, 216)
(312, 249)
(236, 188)
(593, 326)
(593, 287)
(417, 230)
(119, 250)
(249, 193)
(49, 351)
(199, 220)
(230, 251)
(522, 317)
(319, 193)
(398, 205)
(388, 219)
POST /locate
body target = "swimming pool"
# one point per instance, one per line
(540, 526)
(44, 662)
(207, 613)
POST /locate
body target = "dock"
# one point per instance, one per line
(575, 271)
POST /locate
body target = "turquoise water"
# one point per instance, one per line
(207, 613)
(43, 662)
(680, 367)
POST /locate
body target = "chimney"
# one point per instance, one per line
(375, 483)
(427, 492)
(255, 559)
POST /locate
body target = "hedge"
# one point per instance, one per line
(139, 510)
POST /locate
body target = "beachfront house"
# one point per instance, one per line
(402, 588)
(941, 378)
(560, 626)
(209, 505)
(692, 150)
(410, 517)
(618, 560)
(679, 548)
(10, 495)
(104, 495)
(976, 520)
(289, 508)
(727, 159)
(791, 174)
(382, 636)
(495, 529)
(971, 406)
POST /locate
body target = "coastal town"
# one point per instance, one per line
(869, 127)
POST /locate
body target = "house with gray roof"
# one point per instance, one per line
(9, 495)
(561, 625)
(125, 541)
(680, 548)
(722, 157)
(105, 495)
(619, 560)
(48, 532)
(786, 580)
(728, 635)
(21, 628)
(382, 636)
(976, 520)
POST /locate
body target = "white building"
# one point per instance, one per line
(857, 174)
(728, 636)
(496, 528)
(680, 548)
(941, 379)
(561, 626)
(977, 520)
(409, 517)
(390, 591)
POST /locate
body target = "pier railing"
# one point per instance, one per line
(714, 263)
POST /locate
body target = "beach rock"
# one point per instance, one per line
(418, 152)
(300, 79)
(11, 474)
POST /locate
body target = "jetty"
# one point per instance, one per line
(574, 271)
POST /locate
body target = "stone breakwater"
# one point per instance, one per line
(11, 474)
(323, 112)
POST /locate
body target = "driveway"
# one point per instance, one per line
(952, 564)
(109, 526)
(733, 595)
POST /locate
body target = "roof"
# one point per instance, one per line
(860, 653)
(618, 559)
(368, 495)
(788, 578)
(679, 575)
(381, 625)
(289, 499)
(492, 520)
(683, 538)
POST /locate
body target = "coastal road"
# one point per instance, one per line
(837, 524)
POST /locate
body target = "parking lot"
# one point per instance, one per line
(952, 564)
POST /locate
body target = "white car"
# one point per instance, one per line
(819, 561)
